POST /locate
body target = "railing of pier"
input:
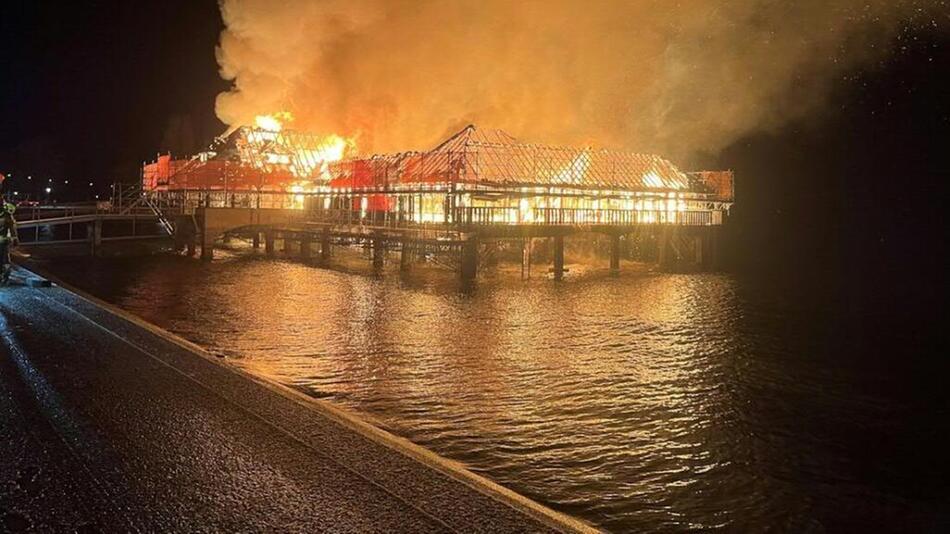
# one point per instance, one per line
(26, 214)
(187, 201)
(500, 216)
(368, 222)
(31, 213)
(474, 216)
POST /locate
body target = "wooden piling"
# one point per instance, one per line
(325, 244)
(558, 257)
(95, 237)
(379, 251)
(526, 258)
(663, 245)
(207, 250)
(269, 239)
(614, 254)
(468, 268)
(405, 256)
(698, 249)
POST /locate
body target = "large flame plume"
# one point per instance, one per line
(307, 161)
(652, 75)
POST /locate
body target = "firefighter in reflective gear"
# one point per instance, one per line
(8, 239)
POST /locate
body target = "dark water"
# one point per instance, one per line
(647, 402)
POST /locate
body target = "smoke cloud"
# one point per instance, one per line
(665, 76)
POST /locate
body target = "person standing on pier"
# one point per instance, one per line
(8, 239)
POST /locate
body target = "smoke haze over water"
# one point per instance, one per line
(672, 77)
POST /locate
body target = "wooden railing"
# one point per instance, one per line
(474, 216)
(489, 216)
(187, 201)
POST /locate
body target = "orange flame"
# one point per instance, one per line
(274, 122)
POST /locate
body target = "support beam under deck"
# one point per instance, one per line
(615, 254)
(468, 268)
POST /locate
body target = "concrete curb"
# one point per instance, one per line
(29, 278)
(450, 468)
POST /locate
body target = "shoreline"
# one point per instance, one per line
(450, 468)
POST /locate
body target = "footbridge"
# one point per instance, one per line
(125, 219)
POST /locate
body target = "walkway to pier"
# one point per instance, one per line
(108, 424)
(130, 216)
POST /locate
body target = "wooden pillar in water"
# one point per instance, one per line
(468, 268)
(698, 249)
(185, 234)
(207, 248)
(558, 257)
(615, 254)
(378, 253)
(663, 244)
(405, 256)
(526, 258)
(207, 241)
(269, 242)
(95, 237)
(256, 240)
(325, 244)
(305, 247)
(711, 253)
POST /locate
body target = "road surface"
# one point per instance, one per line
(111, 425)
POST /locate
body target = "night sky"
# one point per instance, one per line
(90, 91)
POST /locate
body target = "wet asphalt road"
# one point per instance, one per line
(109, 427)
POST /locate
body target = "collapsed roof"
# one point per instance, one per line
(300, 153)
(492, 157)
(276, 160)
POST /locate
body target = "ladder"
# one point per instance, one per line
(130, 198)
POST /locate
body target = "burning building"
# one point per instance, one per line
(262, 158)
(477, 176)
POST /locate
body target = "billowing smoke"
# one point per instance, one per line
(668, 76)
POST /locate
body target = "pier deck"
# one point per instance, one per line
(111, 424)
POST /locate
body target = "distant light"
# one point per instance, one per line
(49, 190)
(90, 184)
(66, 182)
(29, 177)
(50, 180)
(97, 196)
(16, 193)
